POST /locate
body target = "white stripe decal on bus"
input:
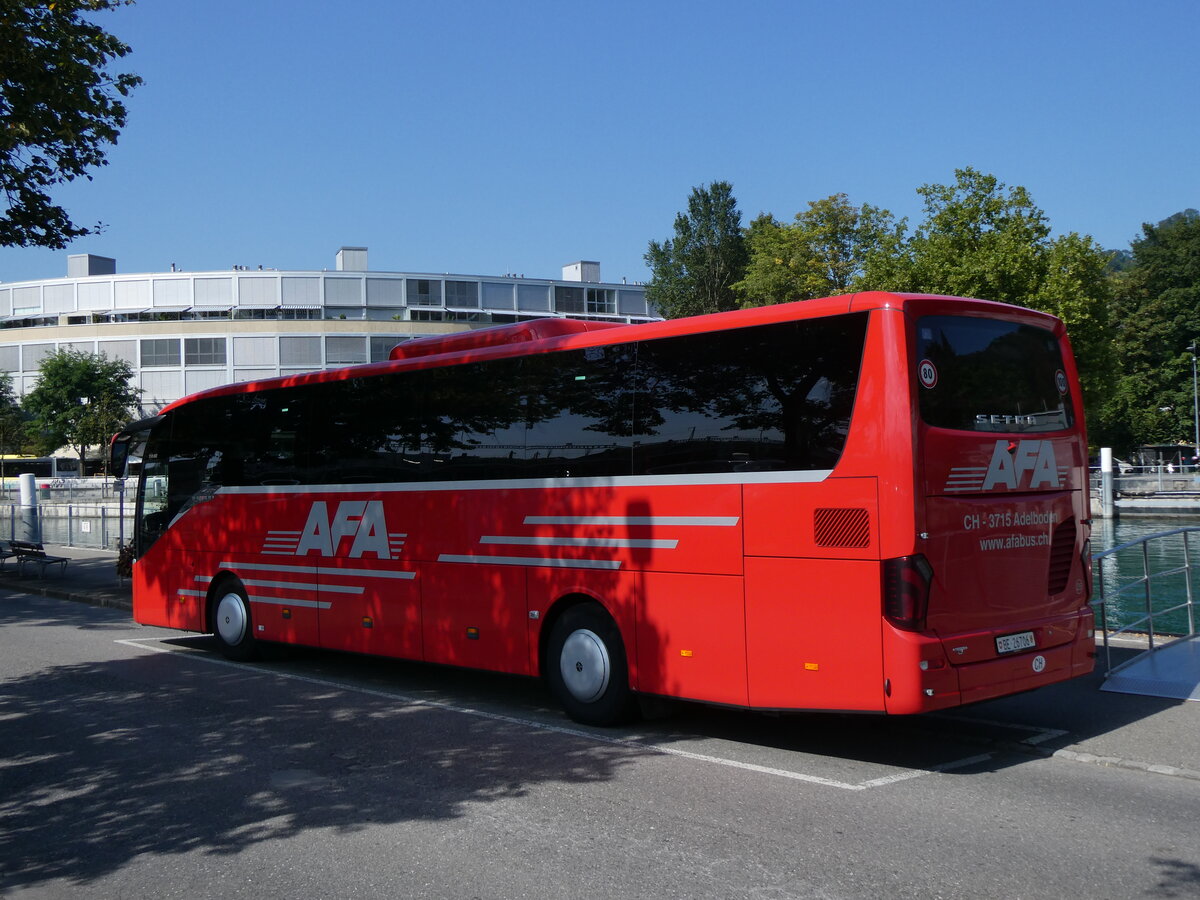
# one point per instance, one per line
(613, 482)
(718, 521)
(318, 570)
(650, 543)
(302, 586)
(532, 561)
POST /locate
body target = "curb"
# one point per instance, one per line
(107, 601)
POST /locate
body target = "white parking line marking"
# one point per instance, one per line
(1040, 734)
(903, 775)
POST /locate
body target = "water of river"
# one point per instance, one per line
(1125, 569)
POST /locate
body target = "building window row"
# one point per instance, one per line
(143, 299)
(204, 351)
(157, 352)
(301, 352)
(580, 300)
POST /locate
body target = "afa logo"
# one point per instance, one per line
(360, 522)
(1012, 461)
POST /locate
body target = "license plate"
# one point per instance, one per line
(1010, 643)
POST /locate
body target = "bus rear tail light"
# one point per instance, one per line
(906, 581)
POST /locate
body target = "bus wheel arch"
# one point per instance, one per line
(584, 662)
(230, 619)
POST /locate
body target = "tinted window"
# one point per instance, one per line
(244, 439)
(473, 421)
(991, 375)
(365, 430)
(456, 423)
(752, 399)
(579, 409)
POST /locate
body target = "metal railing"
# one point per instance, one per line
(1150, 479)
(97, 527)
(1140, 585)
(70, 512)
(59, 490)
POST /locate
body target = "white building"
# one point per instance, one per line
(186, 331)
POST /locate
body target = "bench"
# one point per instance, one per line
(6, 552)
(30, 552)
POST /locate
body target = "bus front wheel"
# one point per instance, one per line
(586, 667)
(231, 621)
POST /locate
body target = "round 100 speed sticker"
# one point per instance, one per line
(928, 373)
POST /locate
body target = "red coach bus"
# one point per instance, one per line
(875, 503)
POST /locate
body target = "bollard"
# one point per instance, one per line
(1108, 508)
(28, 526)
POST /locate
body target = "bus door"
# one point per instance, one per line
(127, 460)
(144, 449)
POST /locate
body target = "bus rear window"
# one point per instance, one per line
(991, 375)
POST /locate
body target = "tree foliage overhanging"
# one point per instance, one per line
(60, 108)
(1131, 315)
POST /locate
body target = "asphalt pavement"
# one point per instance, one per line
(1075, 721)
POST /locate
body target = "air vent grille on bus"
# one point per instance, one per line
(1062, 554)
(842, 527)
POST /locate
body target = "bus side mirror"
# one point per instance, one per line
(133, 435)
(118, 455)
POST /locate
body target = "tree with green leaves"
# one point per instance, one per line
(12, 421)
(80, 400)
(1157, 317)
(694, 272)
(820, 254)
(60, 108)
(980, 238)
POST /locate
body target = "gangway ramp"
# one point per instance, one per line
(1145, 593)
(1172, 671)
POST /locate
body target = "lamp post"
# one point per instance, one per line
(1195, 404)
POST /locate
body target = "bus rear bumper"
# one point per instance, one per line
(922, 680)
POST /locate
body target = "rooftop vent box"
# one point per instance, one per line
(584, 270)
(352, 259)
(81, 265)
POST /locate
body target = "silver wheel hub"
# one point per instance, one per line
(585, 665)
(231, 618)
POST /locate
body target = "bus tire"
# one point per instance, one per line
(586, 668)
(232, 624)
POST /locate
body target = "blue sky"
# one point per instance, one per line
(491, 137)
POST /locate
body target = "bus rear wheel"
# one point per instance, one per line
(586, 667)
(231, 621)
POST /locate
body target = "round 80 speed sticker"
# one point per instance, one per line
(928, 373)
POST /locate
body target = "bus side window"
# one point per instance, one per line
(473, 420)
(364, 430)
(271, 441)
(579, 412)
(750, 399)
